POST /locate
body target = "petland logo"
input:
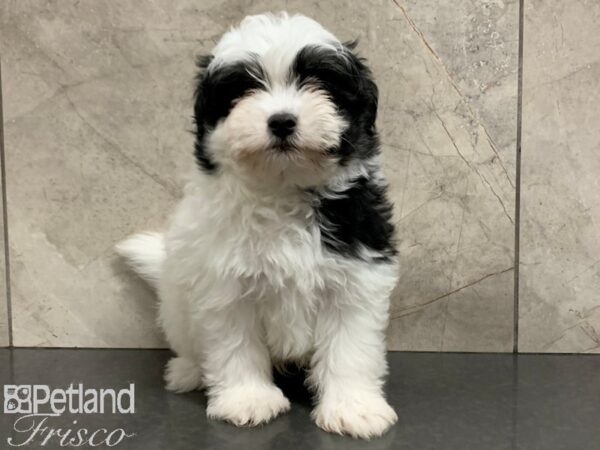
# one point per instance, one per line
(38, 404)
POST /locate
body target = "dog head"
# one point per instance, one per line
(281, 100)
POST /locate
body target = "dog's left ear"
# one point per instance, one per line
(199, 99)
(367, 89)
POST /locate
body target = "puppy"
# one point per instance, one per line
(282, 247)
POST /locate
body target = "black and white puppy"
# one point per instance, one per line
(282, 247)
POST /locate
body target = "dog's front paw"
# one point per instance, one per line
(247, 404)
(364, 417)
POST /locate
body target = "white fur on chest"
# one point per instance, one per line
(233, 233)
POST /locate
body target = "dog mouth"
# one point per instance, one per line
(283, 146)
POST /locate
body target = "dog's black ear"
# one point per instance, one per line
(202, 63)
(367, 91)
(203, 158)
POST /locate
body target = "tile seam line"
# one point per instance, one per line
(9, 317)
(517, 264)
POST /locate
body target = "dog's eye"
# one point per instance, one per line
(225, 86)
(328, 70)
(341, 87)
(332, 78)
(227, 91)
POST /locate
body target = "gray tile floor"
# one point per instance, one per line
(445, 401)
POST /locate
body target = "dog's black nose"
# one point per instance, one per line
(282, 124)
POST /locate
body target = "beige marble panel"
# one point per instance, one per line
(450, 106)
(96, 119)
(560, 227)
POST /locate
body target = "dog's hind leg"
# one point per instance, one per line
(183, 372)
(145, 254)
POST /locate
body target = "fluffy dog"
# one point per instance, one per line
(282, 247)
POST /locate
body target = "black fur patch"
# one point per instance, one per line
(359, 216)
(350, 84)
(216, 92)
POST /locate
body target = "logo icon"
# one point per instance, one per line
(17, 399)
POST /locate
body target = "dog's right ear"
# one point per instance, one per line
(203, 158)
(199, 95)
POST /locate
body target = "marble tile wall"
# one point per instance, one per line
(452, 109)
(560, 201)
(97, 106)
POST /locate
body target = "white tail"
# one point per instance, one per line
(144, 253)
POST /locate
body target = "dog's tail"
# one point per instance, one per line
(144, 253)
